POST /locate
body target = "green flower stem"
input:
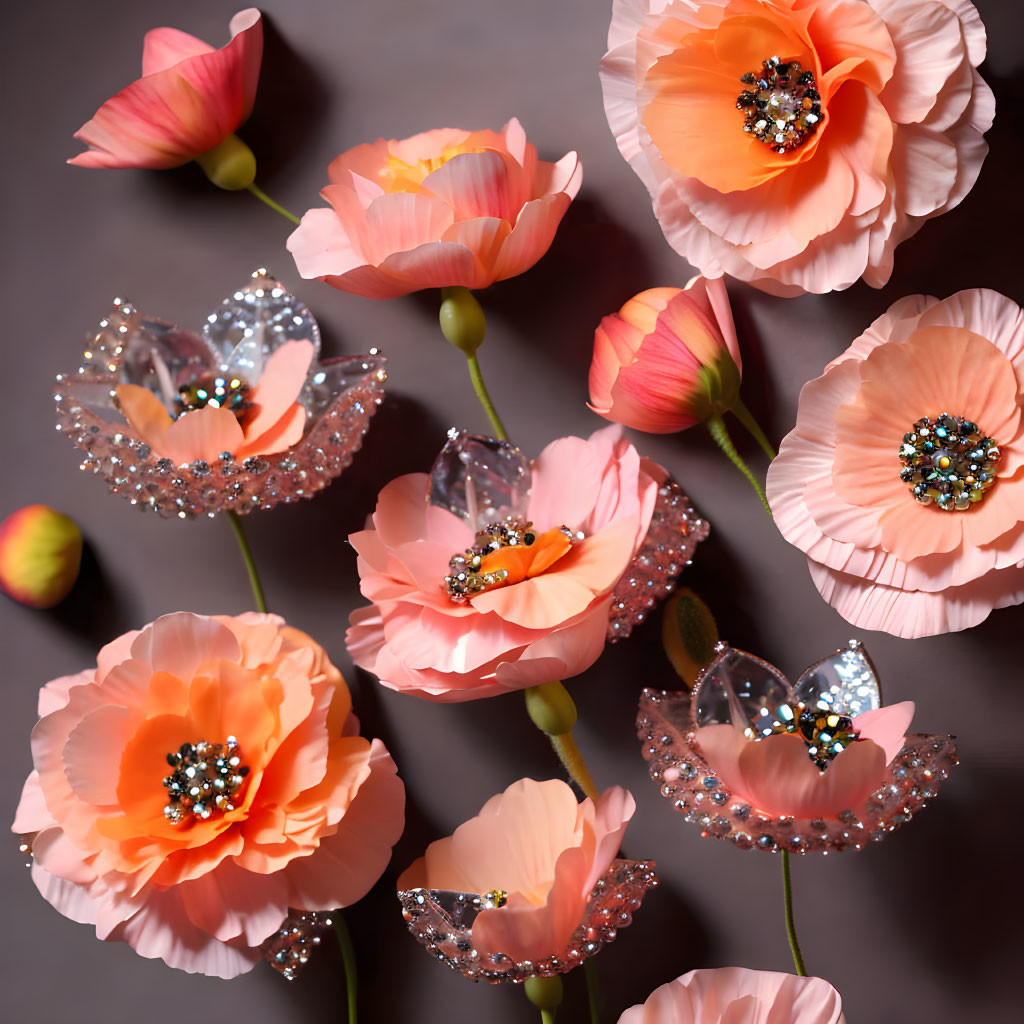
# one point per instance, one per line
(716, 427)
(593, 995)
(276, 207)
(348, 956)
(787, 895)
(485, 399)
(250, 565)
(572, 760)
(743, 414)
(553, 711)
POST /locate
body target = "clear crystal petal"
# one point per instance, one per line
(739, 689)
(845, 682)
(333, 376)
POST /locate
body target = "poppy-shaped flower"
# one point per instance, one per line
(238, 418)
(813, 767)
(729, 994)
(903, 479)
(795, 143)
(446, 207)
(529, 887)
(189, 99)
(205, 777)
(494, 574)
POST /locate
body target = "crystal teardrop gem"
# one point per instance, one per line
(741, 690)
(844, 683)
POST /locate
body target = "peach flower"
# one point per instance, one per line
(548, 622)
(446, 207)
(906, 530)
(189, 99)
(668, 359)
(734, 994)
(795, 143)
(541, 851)
(303, 815)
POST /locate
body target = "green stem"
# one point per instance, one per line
(547, 1017)
(348, 957)
(572, 760)
(787, 893)
(485, 399)
(276, 207)
(716, 427)
(744, 415)
(593, 995)
(250, 565)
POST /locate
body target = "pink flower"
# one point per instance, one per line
(40, 554)
(668, 359)
(734, 994)
(206, 776)
(857, 121)
(446, 207)
(189, 99)
(909, 527)
(547, 621)
(536, 868)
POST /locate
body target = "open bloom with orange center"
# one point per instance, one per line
(206, 776)
(446, 207)
(189, 99)
(795, 143)
(903, 479)
(734, 994)
(519, 890)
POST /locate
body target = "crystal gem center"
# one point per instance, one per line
(781, 104)
(204, 780)
(826, 733)
(224, 391)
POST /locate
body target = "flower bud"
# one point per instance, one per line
(688, 634)
(462, 319)
(40, 553)
(231, 165)
(551, 708)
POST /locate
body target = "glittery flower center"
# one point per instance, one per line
(826, 734)
(493, 898)
(505, 553)
(948, 462)
(221, 392)
(205, 779)
(782, 107)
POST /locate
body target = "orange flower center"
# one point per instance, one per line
(399, 176)
(781, 106)
(206, 778)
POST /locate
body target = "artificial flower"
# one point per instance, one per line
(189, 100)
(816, 766)
(205, 777)
(734, 994)
(40, 554)
(241, 417)
(443, 208)
(795, 143)
(903, 479)
(563, 530)
(533, 879)
(668, 359)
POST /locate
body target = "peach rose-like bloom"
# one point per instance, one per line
(733, 994)
(844, 488)
(808, 181)
(189, 99)
(540, 848)
(443, 208)
(668, 359)
(306, 817)
(550, 624)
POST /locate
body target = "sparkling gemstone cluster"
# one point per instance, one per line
(221, 392)
(205, 779)
(288, 950)
(826, 734)
(783, 106)
(948, 462)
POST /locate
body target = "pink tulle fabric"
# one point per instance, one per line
(312, 827)
(900, 140)
(880, 558)
(415, 639)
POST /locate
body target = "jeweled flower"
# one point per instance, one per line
(206, 776)
(530, 886)
(494, 574)
(40, 554)
(733, 994)
(446, 207)
(241, 417)
(903, 479)
(795, 143)
(813, 767)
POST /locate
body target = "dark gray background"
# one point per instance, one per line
(922, 927)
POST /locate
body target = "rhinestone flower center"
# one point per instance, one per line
(205, 779)
(505, 553)
(826, 734)
(220, 392)
(782, 106)
(948, 462)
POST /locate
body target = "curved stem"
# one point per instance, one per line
(276, 207)
(547, 1017)
(716, 427)
(348, 958)
(593, 995)
(572, 760)
(744, 415)
(250, 565)
(485, 399)
(787, 893)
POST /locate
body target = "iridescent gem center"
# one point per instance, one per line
(948, 462)
(826, 734)
(220, 392)
(496, 898)
(782, 108)
(205, 779)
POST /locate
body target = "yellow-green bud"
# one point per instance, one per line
(551, 708)
(462, 319)
(231, 165)
(688, 634)
(544, 993)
